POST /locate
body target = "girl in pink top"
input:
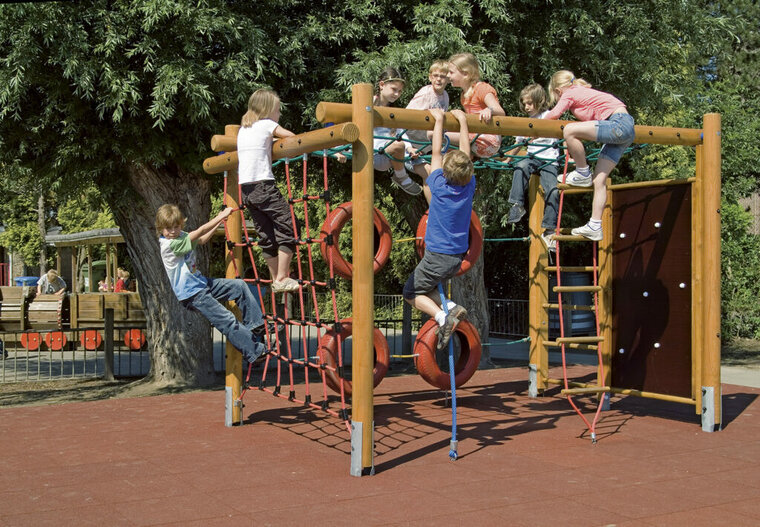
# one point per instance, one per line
(478, 97)
(604, 119)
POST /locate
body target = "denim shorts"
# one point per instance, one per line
(616, 134)
(382, 162)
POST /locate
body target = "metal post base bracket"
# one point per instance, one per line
(356, 451)
(709, 411)
(533, 378)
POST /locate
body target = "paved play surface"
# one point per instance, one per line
(169, 460)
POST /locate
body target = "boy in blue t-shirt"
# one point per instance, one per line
(452, 187)
(196, 292)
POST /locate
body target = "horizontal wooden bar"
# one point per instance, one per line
(291, 146)
(572, 268)
(654, 183)
(570, 307)
(569, 189)
(422, 120)
(571, 238)
(577, 288)
(585, 389)
(571, 345)
(631, 391)
(580, 340)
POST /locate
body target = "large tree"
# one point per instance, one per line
(125, 94)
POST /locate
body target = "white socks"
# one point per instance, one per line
(440, 317)
(586, 171)
(595, 224)
(401, 176)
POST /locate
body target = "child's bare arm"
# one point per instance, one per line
(282, 132)
(204, 233)
(436, 158)
(464, 131)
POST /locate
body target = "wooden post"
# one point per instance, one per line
(538, 293)
(711, 389)
(604, 314)
(90, 278)
(362, 418)
(697, 263)
(108, 343)
(233, 364)
(109, 277)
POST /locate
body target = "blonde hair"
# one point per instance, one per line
(52, 275)
(439, 65)
(457, 167)
(261, 105)
(536, 94)
(169, 216)
(467, 63)
(561, 79)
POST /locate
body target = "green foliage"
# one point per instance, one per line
(85, 212)
(740, 287)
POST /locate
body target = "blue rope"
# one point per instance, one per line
(452, 375)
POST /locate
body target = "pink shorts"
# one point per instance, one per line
(485, 145)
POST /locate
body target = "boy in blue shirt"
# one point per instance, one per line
(452, 187)
(196, 292)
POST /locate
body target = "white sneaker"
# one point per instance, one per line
(287, 285)
(587, 232)
(407, 185)
(575, 179)
(548, 238)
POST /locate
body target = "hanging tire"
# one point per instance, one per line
(466, 365)
(328, 355)
(475, 241)
(334, 224)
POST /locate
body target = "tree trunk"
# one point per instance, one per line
(469, 290)
(179, 340)
(43, 232)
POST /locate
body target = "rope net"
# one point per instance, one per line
(287, 358)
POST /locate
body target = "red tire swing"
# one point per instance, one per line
(334, 224)
(466, 365)
(425, 345)
(328, 355)
(475, 243)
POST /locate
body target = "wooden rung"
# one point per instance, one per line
(572, 268)
(587, 389)
(571, 345)
(571, 307)
(580, 340)
(577, 288)
(570, 238)
(569, 189)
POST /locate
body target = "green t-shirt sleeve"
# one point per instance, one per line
(182, 245)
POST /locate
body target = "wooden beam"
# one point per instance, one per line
(421, 120)
(287, 147)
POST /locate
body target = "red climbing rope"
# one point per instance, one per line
(590, 425)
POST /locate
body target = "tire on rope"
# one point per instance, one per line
(466, 365)
(334, 224)
(328, 355)
(475, 243)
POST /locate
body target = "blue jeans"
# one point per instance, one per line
(548, 176)
(617, 133)
(237, 332)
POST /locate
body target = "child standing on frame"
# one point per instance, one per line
(478, 97)
(452, 187)
(431, 96)
(605, 120)
(198, 293)
(269, 209)
(542, 158)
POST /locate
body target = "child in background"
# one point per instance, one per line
(388, 89)
(478, 97)
(51, 283)
(196, 292)
(431, 96)
(605, 120)
(269, 210)
(542, 158)
(452, 187)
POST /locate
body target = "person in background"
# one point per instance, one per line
(51, 284)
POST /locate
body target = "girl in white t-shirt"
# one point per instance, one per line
(269, 209)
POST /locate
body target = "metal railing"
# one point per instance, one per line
(394, 318)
